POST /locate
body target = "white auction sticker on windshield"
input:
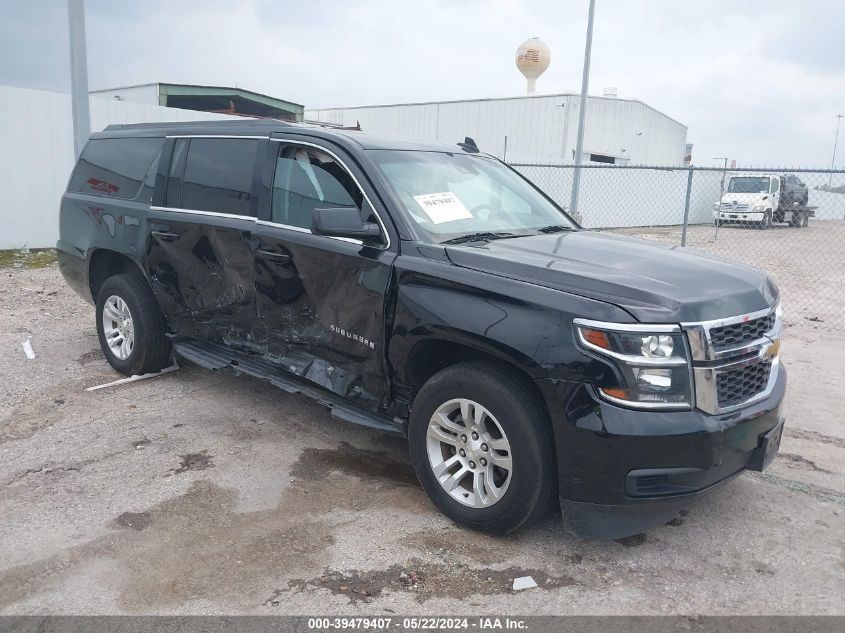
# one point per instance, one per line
(443, 207)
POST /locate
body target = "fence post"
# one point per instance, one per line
(686, 208)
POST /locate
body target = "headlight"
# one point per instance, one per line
(759, 207)
(652, 361)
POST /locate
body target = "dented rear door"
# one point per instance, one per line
(200, 258)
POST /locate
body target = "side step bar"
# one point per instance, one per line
(219, 357)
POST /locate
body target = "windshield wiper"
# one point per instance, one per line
(479, 237)
(554, 228)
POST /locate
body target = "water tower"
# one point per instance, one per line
(532, 59)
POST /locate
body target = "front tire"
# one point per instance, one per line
(767, 221)
(130, 326)
(482, 447)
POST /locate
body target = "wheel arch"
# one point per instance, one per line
(431, 355)
(104, 263)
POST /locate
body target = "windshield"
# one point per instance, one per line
(449, 196)
(748, 184)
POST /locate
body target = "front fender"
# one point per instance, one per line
(520, 323)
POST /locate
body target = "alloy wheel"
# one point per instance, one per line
(118, 327)
(469, 453)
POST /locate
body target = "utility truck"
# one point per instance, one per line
(758, 200)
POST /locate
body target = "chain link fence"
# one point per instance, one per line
(789, 222)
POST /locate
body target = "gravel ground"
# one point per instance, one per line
(198, 492)
(808, 264)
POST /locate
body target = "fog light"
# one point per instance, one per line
(658, 345)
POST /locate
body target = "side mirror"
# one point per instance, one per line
(343, 222)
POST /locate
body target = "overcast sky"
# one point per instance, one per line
(758, 81)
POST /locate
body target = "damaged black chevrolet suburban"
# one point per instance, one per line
(428, 290)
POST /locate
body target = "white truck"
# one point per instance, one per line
(760, 199)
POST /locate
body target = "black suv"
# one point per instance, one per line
(429, 291)
(793, 191)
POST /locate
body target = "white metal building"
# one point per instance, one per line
(532, 128)
(218, 99)
(37, 132)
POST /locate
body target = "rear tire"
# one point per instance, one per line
(803, 220)
(506, 424)
(130, 326)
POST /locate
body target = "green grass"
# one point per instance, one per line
(35, 258)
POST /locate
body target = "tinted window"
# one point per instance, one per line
(308, 179)
(218, 175)
(114, 167)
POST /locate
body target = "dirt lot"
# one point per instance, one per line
(197, 492)
(808, 264)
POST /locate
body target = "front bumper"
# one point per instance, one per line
(622, 471)
(739, 216)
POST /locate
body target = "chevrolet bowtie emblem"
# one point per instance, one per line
(773, 350)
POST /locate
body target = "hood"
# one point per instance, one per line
(744, 198)
(655, 283)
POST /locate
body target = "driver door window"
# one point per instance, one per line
(308, 179)
(773, 186)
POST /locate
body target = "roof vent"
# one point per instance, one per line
(610, 92)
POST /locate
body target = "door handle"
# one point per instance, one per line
(165, 236)
(273, 255)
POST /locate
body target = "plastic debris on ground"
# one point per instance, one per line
(524, 582)
(135, 378)
(27, 349)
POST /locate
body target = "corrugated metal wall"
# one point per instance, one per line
(539, 128)
(37, 156)
(138, 94)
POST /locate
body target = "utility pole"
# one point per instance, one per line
(582, 112)
(721, 195)
(835, 141)
(78, 75)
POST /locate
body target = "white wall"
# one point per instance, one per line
(831, 206)
(630, 197)
(138, 94)
(37, 156)
(627, 129)
(653, 197)
(539, 128)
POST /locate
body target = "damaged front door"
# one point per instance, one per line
(319, 300)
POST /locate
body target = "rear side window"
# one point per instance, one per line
(218, 175)
(114, 167)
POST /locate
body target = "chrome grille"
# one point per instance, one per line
(735, 386)
(734, 360)
(743, 332)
